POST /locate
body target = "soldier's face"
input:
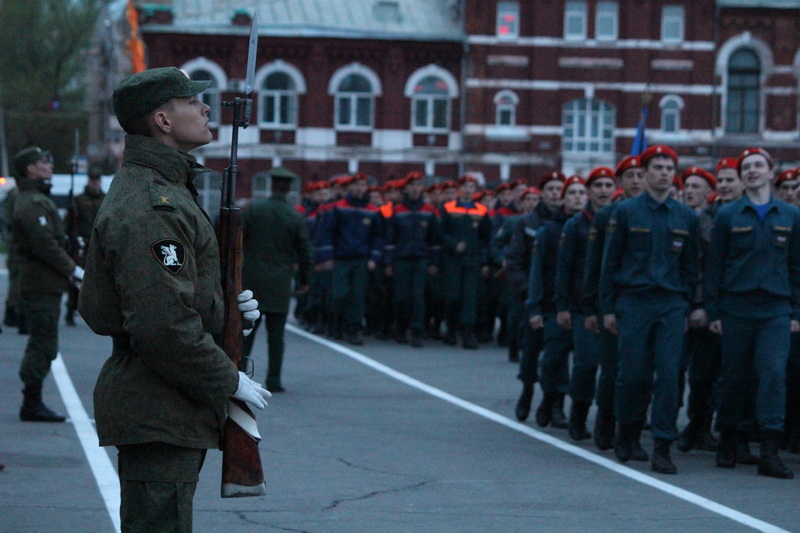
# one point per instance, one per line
(601, 190)
(696, 191)
(787, 191)
(756, 172)
(659, 173)
(729, 186)
(574, 198)
(529, 202)
(188, 121)
(41, 170)
(551, 193)
(632, 182)
(413, 189)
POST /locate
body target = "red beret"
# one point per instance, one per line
(506, 185)
(550, 176)
(413, 176)
(712, 198)
(531, 190)
(701, 173)
(322, 185)
(599, 172)
(572, 180)
(728, 162)
(466, 178)
(617, 194)
(754, 151)
(449, 184)
(478, 196)
(786, 175)
(676, 181)
(358, 176)
(632, 161)
(658, 149)
(345, 181)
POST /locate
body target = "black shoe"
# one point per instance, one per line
(769, 463)
(604, 430)
(544, 414)
(623, 444)
(577, 421)
(275, 389)
(415, 338)
(355, 338)
(34, 410)
(450, 337)
(662, 462)
(706, 441)
(523, 408)
(727, 449)
(638, 453)
(468, 340)
(10, 318)
(687, 438)
(557, 418)
(743, 454)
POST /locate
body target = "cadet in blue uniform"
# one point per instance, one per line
(648, 274)
(629, 174)
(600, 186)
(411, 254)
(752, 287)
(541, 306)
(350, 242)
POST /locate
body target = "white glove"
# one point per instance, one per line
(248, 306)
(77, 277)
(251, 392)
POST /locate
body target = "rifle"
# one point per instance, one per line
(73, 243)
(242, 473)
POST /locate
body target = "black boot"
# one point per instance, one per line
(69, 319)
(726, 451)
(662, 462)
(743, 454)
(450, 336)
(769, 464)
(558, 419)
(637, 451)
(34, 410)
(415, 338)
(468, 340)
(604, 430)
(623, 444)
(577, 420)
(10, 318)
(523, 408)
(513, 351)
(544, 414)
(688, 438)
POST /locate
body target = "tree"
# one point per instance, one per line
(43, 75)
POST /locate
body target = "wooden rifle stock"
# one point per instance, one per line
(242, 473)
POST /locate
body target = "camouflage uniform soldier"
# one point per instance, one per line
(13, 315)
(45, 272)
(153, 285)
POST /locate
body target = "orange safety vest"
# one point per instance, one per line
(478, 211)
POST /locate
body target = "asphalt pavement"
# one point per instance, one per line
(377, 438)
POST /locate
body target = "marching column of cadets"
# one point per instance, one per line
(652, 279)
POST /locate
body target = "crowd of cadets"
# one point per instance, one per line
(639, 272)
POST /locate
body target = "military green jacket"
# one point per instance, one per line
(153, 275)
(85, 211)
(275, 240)
(39, 241)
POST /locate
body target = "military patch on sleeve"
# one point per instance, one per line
(592, 233)
(612, 225)
(170, 253)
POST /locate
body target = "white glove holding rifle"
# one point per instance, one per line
(252, 392)
(248, 306)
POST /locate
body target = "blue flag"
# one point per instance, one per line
(640, 140)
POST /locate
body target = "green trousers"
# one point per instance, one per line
(41, 312)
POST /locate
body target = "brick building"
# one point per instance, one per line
(503, 89)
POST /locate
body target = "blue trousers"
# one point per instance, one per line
(650, 328)
(585, 360)
(554, 366)
(606, 382)
(762, 344)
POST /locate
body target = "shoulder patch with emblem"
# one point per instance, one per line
(171, 254)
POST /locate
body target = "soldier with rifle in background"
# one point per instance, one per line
(153, 285)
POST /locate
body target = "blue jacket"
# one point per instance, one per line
(753, 266)
(594, 259)
(650, 246)
(571, 261)
(350, 229)
(412, 232)
(541, 285)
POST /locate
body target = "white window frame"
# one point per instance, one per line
(671, 106)
(353, 98)
(410, 92)
(509, 107)
(208, 191)
(504, 10)
(588, 120)
(212, 95)
(575, 10)
(606, 12)
(673, 16)
(294, 95)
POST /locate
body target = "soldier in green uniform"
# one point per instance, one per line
(45, 270)
(153, 285)
(82, 214)
(13, 315)
(276, 244)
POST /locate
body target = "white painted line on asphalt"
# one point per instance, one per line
(99, 462)
(635, 475)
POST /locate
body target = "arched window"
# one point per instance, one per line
(354, 101)
(588, 127)
(278, 101)
(506, 106)
(743, 108)
(431, 104)
(671, 107)
(210, 96)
